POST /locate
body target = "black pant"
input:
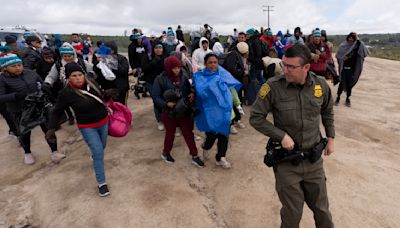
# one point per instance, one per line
(25, 140)
(237, 115)
(346, 81)
(222, 144)
(8, 117)
(122, 96)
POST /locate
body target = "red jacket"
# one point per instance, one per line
(270, 41)
(320, 65)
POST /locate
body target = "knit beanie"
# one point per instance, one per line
(251, 31)
(170, 32)
(243, 47)
(72, 67)
(9, 59)
(67, 50)
(136, 36)
(27, 33)
(317, 32)
(170, 63)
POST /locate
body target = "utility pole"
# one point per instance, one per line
(268, 9)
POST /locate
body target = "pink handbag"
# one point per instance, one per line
(120, 119)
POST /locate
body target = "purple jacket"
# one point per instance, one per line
(147, 45)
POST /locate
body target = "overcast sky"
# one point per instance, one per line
(105, 17)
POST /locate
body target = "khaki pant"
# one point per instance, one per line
(303, 183)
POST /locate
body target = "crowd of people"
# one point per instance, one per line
(200, 81)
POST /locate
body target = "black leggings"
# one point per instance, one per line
(222, 144)
(347, 80)
(237, 115)
(25, 140)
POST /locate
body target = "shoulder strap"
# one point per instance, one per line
(91, 95)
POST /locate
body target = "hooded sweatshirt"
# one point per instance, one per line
(198, 56)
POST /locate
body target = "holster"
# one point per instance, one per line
(276, 154)
(316, 151)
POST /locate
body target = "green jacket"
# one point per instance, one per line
(296, 110)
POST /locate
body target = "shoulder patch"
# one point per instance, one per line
(264, 90)
(318, 91)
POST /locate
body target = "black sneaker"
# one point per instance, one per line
(103, 190)
(167, 158)
(197, 162)
(348, 103)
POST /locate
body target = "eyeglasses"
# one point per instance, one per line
(288, 66)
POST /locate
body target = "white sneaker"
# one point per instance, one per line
(240, 125)
(206, 154)
(56, 157)
(160, 126)
(197, 138)
(224, 163)
(29, 159)
(234, 130)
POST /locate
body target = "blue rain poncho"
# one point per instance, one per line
(214, 100)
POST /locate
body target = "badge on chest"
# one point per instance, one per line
(318, 91)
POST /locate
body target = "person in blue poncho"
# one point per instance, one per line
(214, 101)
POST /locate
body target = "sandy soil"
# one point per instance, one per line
(363, 174)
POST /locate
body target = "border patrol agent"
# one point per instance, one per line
(298, 100)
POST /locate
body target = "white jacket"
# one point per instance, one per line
(198, 56)
(218, 49)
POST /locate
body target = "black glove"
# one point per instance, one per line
(46, 88)
(111, 93)
(20, 95)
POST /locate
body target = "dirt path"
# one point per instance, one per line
(363, 174)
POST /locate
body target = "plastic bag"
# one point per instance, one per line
(36, 110)
(107, 73)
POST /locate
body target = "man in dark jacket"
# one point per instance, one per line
(179, 34)
(241, 38)
(256, 66)
(31, 55)
(46, 62)
(15, 84)
(235, 63)
(11, 42)
(136, 53)
(255, 55)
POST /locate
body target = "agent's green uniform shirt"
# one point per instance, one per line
(297, 110)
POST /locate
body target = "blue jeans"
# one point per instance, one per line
(256, 74)
(157, 111)
(96, 138)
